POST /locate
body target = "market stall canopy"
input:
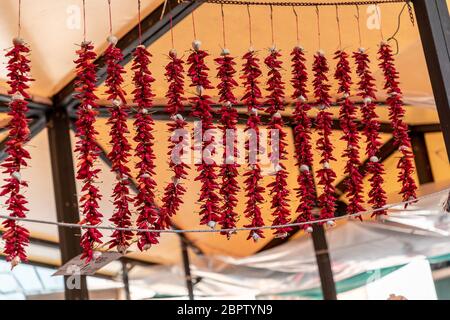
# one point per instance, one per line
(53, 29)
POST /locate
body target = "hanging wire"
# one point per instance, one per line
(163, 10)
(378, 11)
(223, 27)
(357, 16)
(318, 25)
(320, 221)
(19, 20)
(411, 17)
(110, 17)
(249, 25)
(296, 25)
(271, 25)
(84, 20)
(139, 22)
(171, 32)
(193, 25)
(339, 27)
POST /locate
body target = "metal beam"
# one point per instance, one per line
(187, 268)
(324, 263)
(64, 186)
(36, 125)
(434, 26)
(125, 279)
(153, 27)
(159, 113)
(421, 158)
(386, 150)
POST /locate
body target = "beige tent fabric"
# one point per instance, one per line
(53, 28)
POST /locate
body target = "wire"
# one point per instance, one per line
(271, 25)
(223, 26)
(249, 25)
(84, 20)
(357, 16)
(339, 27)
(318, 26)
(139, 22)
(110, 17)
(20, 17)
(193, 25)
(75, 225)
(297, 4)
(296, 25)
(377, 9)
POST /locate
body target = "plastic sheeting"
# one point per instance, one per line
(355, 248)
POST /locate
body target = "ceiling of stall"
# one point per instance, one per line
(50, 27)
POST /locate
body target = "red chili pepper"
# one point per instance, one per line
(253, 178)
(275, 104)
(148, 215)
(120, 153)
(400, 128)
(229, 117)
(87, 148)
(201, 109)
(347, 117)
(325, 175)
(371, 128)
(302, 136)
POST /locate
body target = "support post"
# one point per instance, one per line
(421, 158)
(125, 279)
(65, 193)
(434, 26)
(187, 268)
(323, 262)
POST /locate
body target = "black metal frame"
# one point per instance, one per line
(434, 27)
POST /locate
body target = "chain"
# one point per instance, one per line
(304, 4)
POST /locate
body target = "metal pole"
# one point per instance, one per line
(323, 263)
(434, 26)
(65, 194)
(187, 268)
(421, 158)
(125, 280)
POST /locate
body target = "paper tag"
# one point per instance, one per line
(78, 266)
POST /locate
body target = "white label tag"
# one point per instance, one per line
(77, 266)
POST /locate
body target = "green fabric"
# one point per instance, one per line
(348, 284)
(443, 288)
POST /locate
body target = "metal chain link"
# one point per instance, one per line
(304, 4)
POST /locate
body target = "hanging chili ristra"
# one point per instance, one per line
(87, 148)
(178, 142)
(229, 118)
(120, 152)
(347, 117)
(400, 128)
(16, 237)
(201, 109)
(325, 175)
(145, 199)
(302, 140)
(253, 179)
(371, 128)
(275, 104)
